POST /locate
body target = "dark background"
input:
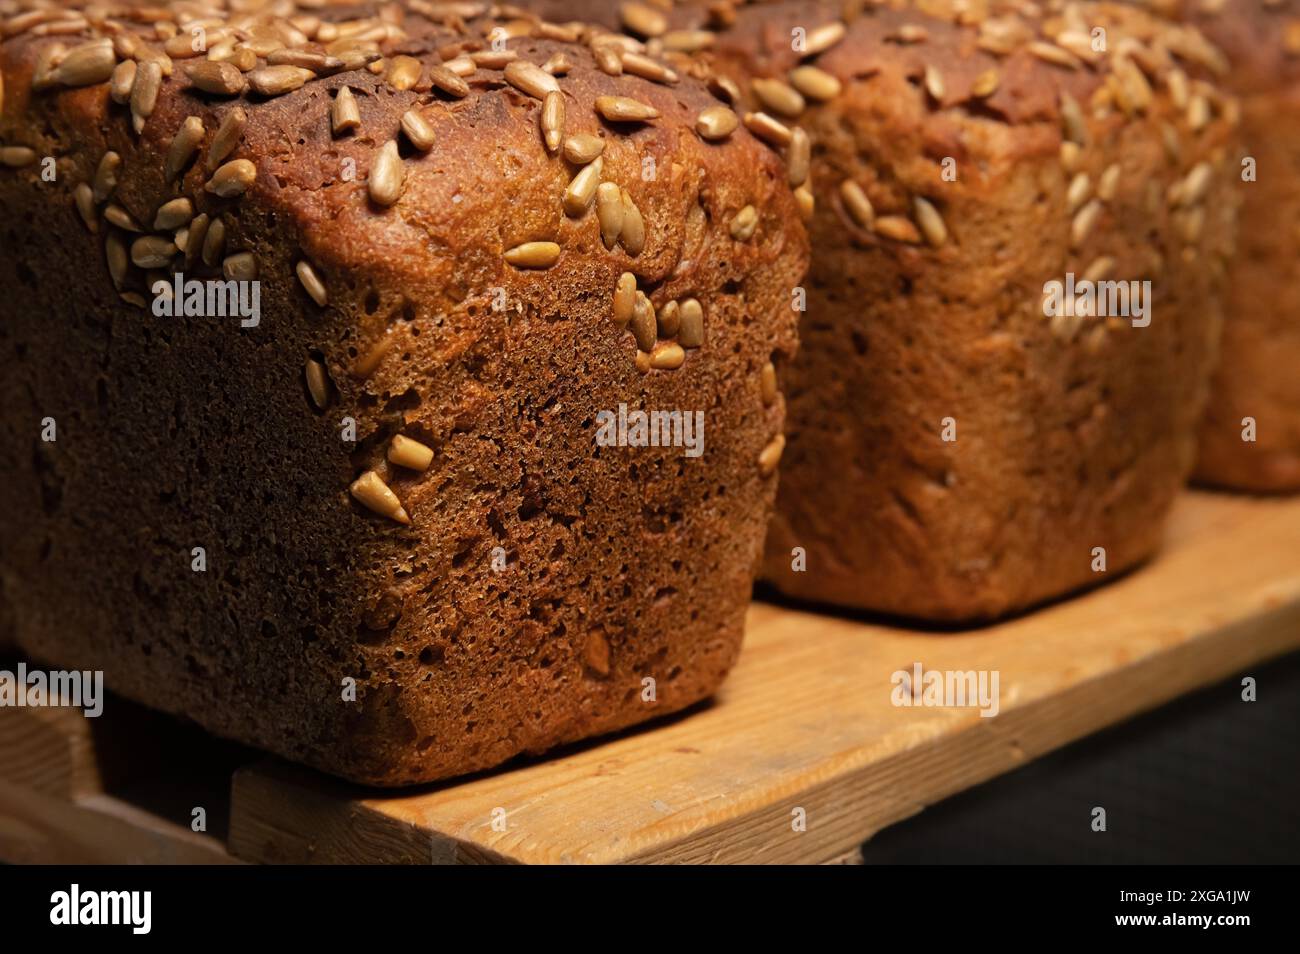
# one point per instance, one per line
(1206, 779)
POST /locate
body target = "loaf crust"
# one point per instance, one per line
(1257, 378)
(541, 580)
(925, 308)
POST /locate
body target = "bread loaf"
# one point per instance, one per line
(389, 518)
(954, 452)
(1251, 437)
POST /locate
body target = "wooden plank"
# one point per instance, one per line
(117, 789)
(806, 722)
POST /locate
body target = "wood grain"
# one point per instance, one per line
(806, 722)
(117, 789)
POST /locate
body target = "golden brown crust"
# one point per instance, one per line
(1256, 392)
(541, 580)
(924, 299)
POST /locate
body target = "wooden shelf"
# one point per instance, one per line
(806, 722)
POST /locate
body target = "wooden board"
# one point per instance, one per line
(118, 789)
(806, 722)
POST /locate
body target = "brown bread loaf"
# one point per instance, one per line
(390, 486)
(1256, 390)
(963, 156)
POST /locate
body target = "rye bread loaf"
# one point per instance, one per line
(416, 560)
(954, 453)
(1256, 390)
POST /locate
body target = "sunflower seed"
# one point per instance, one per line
(232, 179)
(318, 383)
(624, 299)
(716, 123)
(1108, 184)
(643, 66)
(446, 80)
(531, 79)
(633, 233)
(173, 215)
(120, 218)
(897, 228)
(669, 320)
(403, 72)
(227, 137)
(533, 255)
(667, 356)
(644, 326)
(822, 38)
(1071, 153)
(407, 452)
(934, 83)
(86, 64)
(806, 203)
(84, 199)
(770, 456)
(986, 84)
(582, 189)
(725, 88)
(767, 384)
(144, 92)
(278, 80)
(1051, 53)
(344, 114)
(1099, 269)
(1076, 127)
(118, 258)
(1077, 193)
(688, 41)
(798, 159)
(582, 148)
(609, 60)
(461, 66)
(106, 175)
(1197, 183)
(46, 62)
(386, 174)
(744, 224)
(220, 79)
(372, 493)
(623, 109)
(123, 78)
(194, 239)
(643, 19)
(768, 129)
(240, 267)
(418, 130)
(609, 212)
(1083, 222)
(642, 361)
(152, 251)
(319, 63)
(930, 221)
(815, 84)
(214, 243)
(558, 65)
(312, 282)
(552, 120)
(184, 145)
(690, 333)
